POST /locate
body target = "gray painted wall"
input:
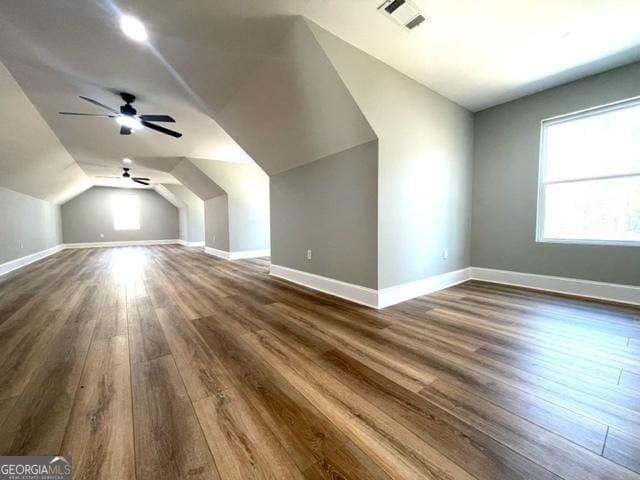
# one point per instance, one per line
(29, 225)
(330, 207)
(247, 188)
(507, 141)
(191, 215)
(425, 166)
(88, 215)
(216, 219)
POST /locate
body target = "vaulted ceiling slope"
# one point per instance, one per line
(57, 52)
(475, 53)
(263, 79)
(279, 98)
(245, 78)
(32, 159)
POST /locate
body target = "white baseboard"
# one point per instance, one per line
(27, 259)
(190, 244)
(236, 255)
(391, 295)
(217, 253)
(348, 291)
(570, 286)
(130, 243)
(369, 296)
(250, 254)
(406, 291)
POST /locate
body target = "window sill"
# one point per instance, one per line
(608, 243)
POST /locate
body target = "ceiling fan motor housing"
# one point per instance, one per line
(128, 110)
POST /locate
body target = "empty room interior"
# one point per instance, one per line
(319, 239)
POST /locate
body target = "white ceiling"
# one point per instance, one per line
(477, 53)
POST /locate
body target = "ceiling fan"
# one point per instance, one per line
(126, 174)
(128, 117)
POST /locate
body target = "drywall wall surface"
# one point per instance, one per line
(425, 166)
(216, 213)
(247, 188)
(505, 186)
(329, 207)
(192, 213)
(87, 216)
(27, 225)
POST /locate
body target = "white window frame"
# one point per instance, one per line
(619, 105)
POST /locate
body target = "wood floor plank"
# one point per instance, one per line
(99, 436)
(37, 422)
(466, 445)
(478, 381)
(630, 380)
(243, 446)
(407, 375)
(346, 463)
(623, 448)
(112, 322)
(203, 374)
(146, 339)
(398, 451)
(551, 451)
(434, 360)
(307, 435)
(6, 406)
(169, 443)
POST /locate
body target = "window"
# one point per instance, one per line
(589, 190)
(126, 212)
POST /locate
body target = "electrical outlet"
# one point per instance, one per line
(21, 245)
(309, 255)
(445, 253)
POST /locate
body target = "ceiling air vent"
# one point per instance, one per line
(403, 12)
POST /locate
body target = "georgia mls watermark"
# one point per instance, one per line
(35, 468)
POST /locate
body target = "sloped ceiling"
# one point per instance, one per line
(165, 192)
(477, 53)
(293, 109)
(32, 160)
(57, 53)
(246, 69)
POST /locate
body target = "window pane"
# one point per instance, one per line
(593, 210)
(593, 146)
(126, 212)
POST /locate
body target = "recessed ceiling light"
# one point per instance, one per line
(126, 160)
(133, 28)
(128, 121)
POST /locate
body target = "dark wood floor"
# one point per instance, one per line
(164, 363)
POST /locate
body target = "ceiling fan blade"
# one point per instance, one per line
(125, 130)
(105, 176)
(142, 178)
(95, 102)
(87, 114)
(160, 129)
(157, 118)
(137, 180)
